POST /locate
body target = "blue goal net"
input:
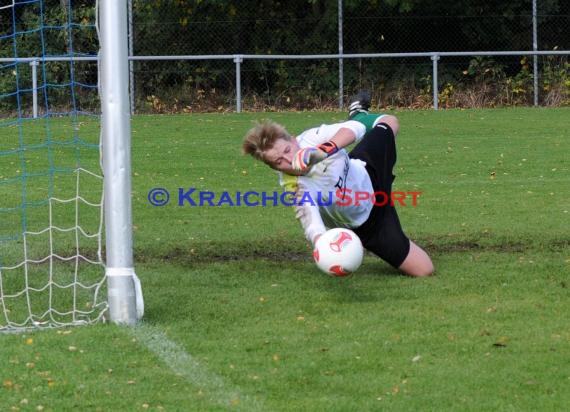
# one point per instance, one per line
(51, 188)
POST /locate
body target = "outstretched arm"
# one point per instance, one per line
(343, 138)
(307, 213)
(309, 156)
(311, 221)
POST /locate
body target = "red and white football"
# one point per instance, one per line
(338, 252)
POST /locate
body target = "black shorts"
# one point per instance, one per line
(382, 233)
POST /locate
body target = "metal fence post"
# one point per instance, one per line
(535, 48)
(34, 64)
(131, 35)
(434, 59)
(238, 59)
(340, 61)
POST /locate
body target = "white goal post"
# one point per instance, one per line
(66, 237)
(124, 289)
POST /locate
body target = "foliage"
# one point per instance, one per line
(310, 26)
(198, 28)
(60, 31)
(486, 83)
(556, 80)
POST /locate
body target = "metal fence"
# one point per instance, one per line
(239, 60)
(405, 60)
(234, 100)
(273, 59)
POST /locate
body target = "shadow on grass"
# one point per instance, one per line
(276, 250)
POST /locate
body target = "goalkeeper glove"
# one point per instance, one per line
(309, 156)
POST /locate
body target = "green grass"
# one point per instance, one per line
(239, 318)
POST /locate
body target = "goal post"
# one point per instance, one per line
(124, 290)
(66, 238)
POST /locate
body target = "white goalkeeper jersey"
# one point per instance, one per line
(325, 196)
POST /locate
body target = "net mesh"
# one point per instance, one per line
(51, 188)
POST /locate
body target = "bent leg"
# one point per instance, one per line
(417, 263)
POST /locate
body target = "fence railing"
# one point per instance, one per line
(239, 59)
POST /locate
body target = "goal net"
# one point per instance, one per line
(52, 269)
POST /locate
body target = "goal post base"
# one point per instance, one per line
(126, 304)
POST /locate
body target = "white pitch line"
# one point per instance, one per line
(213, 387)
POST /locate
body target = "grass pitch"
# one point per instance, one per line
(239, 318)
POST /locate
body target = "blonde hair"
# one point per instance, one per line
(262, 137)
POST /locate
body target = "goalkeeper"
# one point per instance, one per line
(316, 162)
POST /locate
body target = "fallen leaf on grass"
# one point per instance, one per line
(501, 342)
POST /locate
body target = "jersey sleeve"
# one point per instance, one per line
(308, 214)
(324, 133)
(358, 128)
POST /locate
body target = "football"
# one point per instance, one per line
(338, 252)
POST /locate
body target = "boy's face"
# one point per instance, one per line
(280, 156)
